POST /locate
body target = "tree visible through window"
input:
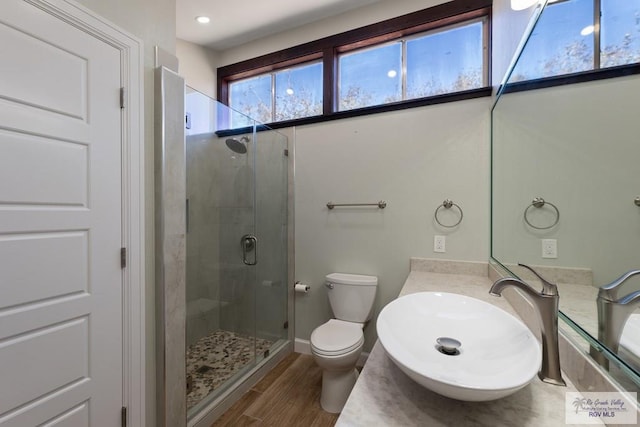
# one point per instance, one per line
(286, 94)
(567, 34)
(371, 76)
(298, 92)
(445, 61)
(620, 32)
(251, 98)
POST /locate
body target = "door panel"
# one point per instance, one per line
(78, 416)
(60, 223)
(59, 87)
(63, 164)
(66, 343)
(64, 265)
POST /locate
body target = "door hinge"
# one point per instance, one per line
(123, 416)
(123, 257)
(286, 324)
(286, 153)
(121, 97)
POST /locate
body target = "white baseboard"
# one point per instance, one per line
(304, 347)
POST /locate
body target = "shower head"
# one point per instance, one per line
(236, 146)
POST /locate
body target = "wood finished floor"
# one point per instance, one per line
(289, 395)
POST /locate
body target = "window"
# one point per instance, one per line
(251, 98)
(286, 94)
(435, 55)
(619, 32)
(446, 61)
(371, 76)
(443, 61)
(298, 92)
(574, 36)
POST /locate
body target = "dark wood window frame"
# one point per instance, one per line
(574, 78)
(329, 48)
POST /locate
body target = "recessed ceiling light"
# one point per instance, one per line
(587, 30)
(392, 73)
(289, 91)
(203, 19)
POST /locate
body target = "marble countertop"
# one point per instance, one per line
(385, 396)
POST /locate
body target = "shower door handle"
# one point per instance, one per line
(249, 243)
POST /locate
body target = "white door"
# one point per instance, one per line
(60, 223)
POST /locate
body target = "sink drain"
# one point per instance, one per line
(448, 346)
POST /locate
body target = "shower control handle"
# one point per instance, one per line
(249, 243)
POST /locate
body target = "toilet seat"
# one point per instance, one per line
(336, 337)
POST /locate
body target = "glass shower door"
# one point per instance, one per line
(220, 278)
(236, 248)
(271, 229)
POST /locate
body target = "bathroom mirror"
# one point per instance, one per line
(565, 177)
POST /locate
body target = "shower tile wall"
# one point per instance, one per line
(222, 292)
(254, 291)
(219, 295)
(203, 251)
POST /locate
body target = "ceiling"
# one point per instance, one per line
(234, 22)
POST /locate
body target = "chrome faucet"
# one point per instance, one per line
(546, 304)
(613, 313)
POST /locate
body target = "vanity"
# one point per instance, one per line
(385, 396)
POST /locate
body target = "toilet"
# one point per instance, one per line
(336, 345)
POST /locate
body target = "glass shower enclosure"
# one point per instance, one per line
(236, 263)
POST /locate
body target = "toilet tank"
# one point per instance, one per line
(351, 296)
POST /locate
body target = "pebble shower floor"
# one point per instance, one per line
(215, 358)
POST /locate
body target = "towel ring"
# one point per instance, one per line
(447, 204)
(539, 202)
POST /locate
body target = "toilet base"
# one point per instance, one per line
(336, 387)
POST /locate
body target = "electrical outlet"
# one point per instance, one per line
(439, 243)
(549, 248)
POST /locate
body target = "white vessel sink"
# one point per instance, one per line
(629, 348)
(498, 354)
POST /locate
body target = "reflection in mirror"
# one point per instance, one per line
(565, 177)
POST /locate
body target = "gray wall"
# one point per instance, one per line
(198, 66)
(413, 159)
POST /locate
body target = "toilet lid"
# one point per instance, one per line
(336, 337)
